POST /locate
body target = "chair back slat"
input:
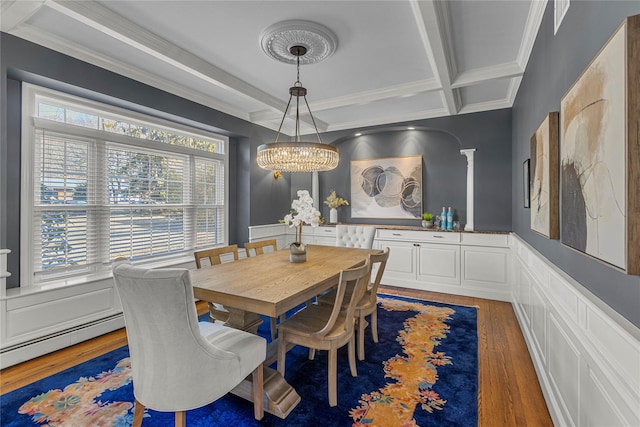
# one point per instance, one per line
(259, 246)
(215, 255)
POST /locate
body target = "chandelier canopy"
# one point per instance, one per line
(298, 155)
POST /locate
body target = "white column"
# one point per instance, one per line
(469, 153)
(315, 189)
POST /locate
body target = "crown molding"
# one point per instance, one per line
(13, 13)
(485, 74)
(420, 115)
(485, 106)
(51, 41)
(514, 85)
(531, 28)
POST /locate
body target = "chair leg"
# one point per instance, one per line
(274, 328)
(332, 373)
(257, 377)
(361, 326)
(312, 353)
(138, 413)
(181, 419)
(352, 356)
(374, 325)
(282, 354)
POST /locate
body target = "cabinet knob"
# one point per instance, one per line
(416, 244)
(396, 234)
(438, 237)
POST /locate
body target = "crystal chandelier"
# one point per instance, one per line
(297, 156)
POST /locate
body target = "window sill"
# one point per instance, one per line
(181, 262)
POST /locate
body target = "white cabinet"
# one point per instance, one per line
(473, 264)
(439, 263)
(461, 263)
(415, 262)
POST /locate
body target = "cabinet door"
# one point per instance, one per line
(485, 267)
(439, 263)
(402, 261)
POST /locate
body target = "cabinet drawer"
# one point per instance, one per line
(483, 239)
(325, 232)
(419, 236)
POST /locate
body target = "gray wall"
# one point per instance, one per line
(555, 63)
(444, 169)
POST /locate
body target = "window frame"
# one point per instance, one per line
(30, 95)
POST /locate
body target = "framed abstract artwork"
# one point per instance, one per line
(387, 188)
(600, 154)
(526, 183)
(544, 178)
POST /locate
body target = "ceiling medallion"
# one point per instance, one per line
(278, 39)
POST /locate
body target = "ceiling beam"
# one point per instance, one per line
(116, 26)
(432, 20)
(364, 97)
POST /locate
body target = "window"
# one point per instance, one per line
(101, 182)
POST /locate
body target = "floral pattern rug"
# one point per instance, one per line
(422, 372)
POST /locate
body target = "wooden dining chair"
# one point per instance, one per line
(215, 256)
(321, 327)
(368, 304)
(258, 249)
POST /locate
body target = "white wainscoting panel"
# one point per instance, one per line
(586, 355)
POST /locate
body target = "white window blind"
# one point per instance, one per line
(109, 185)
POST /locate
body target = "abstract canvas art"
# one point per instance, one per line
(600, 154)
(387, 188)
(544, 178)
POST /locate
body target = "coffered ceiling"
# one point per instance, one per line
(395, 61)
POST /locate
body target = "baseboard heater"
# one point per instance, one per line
(60, 333)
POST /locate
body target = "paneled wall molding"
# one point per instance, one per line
(3, 270)
(587, 356)
(36, 320)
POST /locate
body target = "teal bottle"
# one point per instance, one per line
(443, 219)
(449, 219)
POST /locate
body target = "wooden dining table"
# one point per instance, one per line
(271, 285)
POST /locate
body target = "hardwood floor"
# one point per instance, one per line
(509, 392)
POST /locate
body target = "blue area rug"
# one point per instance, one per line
(423, 372)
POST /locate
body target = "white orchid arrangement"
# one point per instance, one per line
(302, 212)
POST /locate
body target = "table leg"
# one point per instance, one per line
(279, 397)
(235, 318)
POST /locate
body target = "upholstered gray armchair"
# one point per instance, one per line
(177, 363)
(355, 236)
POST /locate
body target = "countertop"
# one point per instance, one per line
(420, 228)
